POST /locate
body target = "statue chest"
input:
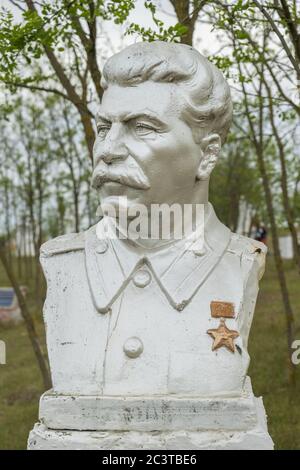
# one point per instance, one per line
(153, 348)
(143, 345)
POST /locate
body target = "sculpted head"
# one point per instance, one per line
(165, 112)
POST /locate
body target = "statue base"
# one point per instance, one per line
(159, 423)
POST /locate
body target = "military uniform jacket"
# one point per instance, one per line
(122, 320)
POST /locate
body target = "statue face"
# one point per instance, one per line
(144, 150)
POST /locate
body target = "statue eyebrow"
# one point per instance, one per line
(101, 117)
(145, 115)
(129, 116)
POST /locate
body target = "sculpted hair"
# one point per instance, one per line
(205, 94)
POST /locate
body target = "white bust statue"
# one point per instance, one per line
(157, 326)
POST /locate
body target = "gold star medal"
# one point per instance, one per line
(223, 336)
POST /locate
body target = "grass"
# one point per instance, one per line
(21, 385)
(20, 379)
(268, 351)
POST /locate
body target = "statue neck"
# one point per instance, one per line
(164, 224)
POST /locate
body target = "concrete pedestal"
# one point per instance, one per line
(162, 423)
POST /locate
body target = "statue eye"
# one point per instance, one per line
(144, 129)
(103, 130)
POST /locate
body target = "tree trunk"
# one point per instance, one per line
(284, 184)
(187, 12)
(257, 136)
(42, 362)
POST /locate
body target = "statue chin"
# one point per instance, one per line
(117, 206)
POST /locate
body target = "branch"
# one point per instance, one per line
(73, 96)
(58, 68)
(15, 3)
(286, 16)
(284, 95)
(278, 33)
(89, 44)
(38, 88)
(270, 69)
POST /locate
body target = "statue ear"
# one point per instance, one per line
(210, 146)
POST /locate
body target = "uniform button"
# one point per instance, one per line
(102, 246)
(133, 347)
(142, 278)
(200, 251)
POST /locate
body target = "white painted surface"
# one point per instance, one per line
(169, 315)
(286, 247)
(127, 322)
(42, 438)
(164, 413)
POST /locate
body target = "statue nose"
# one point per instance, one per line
(111, 157)
(114, 146)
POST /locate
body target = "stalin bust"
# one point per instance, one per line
(150, 333)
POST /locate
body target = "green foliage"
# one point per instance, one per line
(223, 63)
(171, 34)
(56, 24)
(234, 179)
(287, 115)
(52, 25)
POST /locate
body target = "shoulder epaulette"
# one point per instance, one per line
(63, 244)
(239, 244)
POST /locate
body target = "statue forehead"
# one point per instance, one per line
(158, 98)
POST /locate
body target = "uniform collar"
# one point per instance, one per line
(178, 269)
